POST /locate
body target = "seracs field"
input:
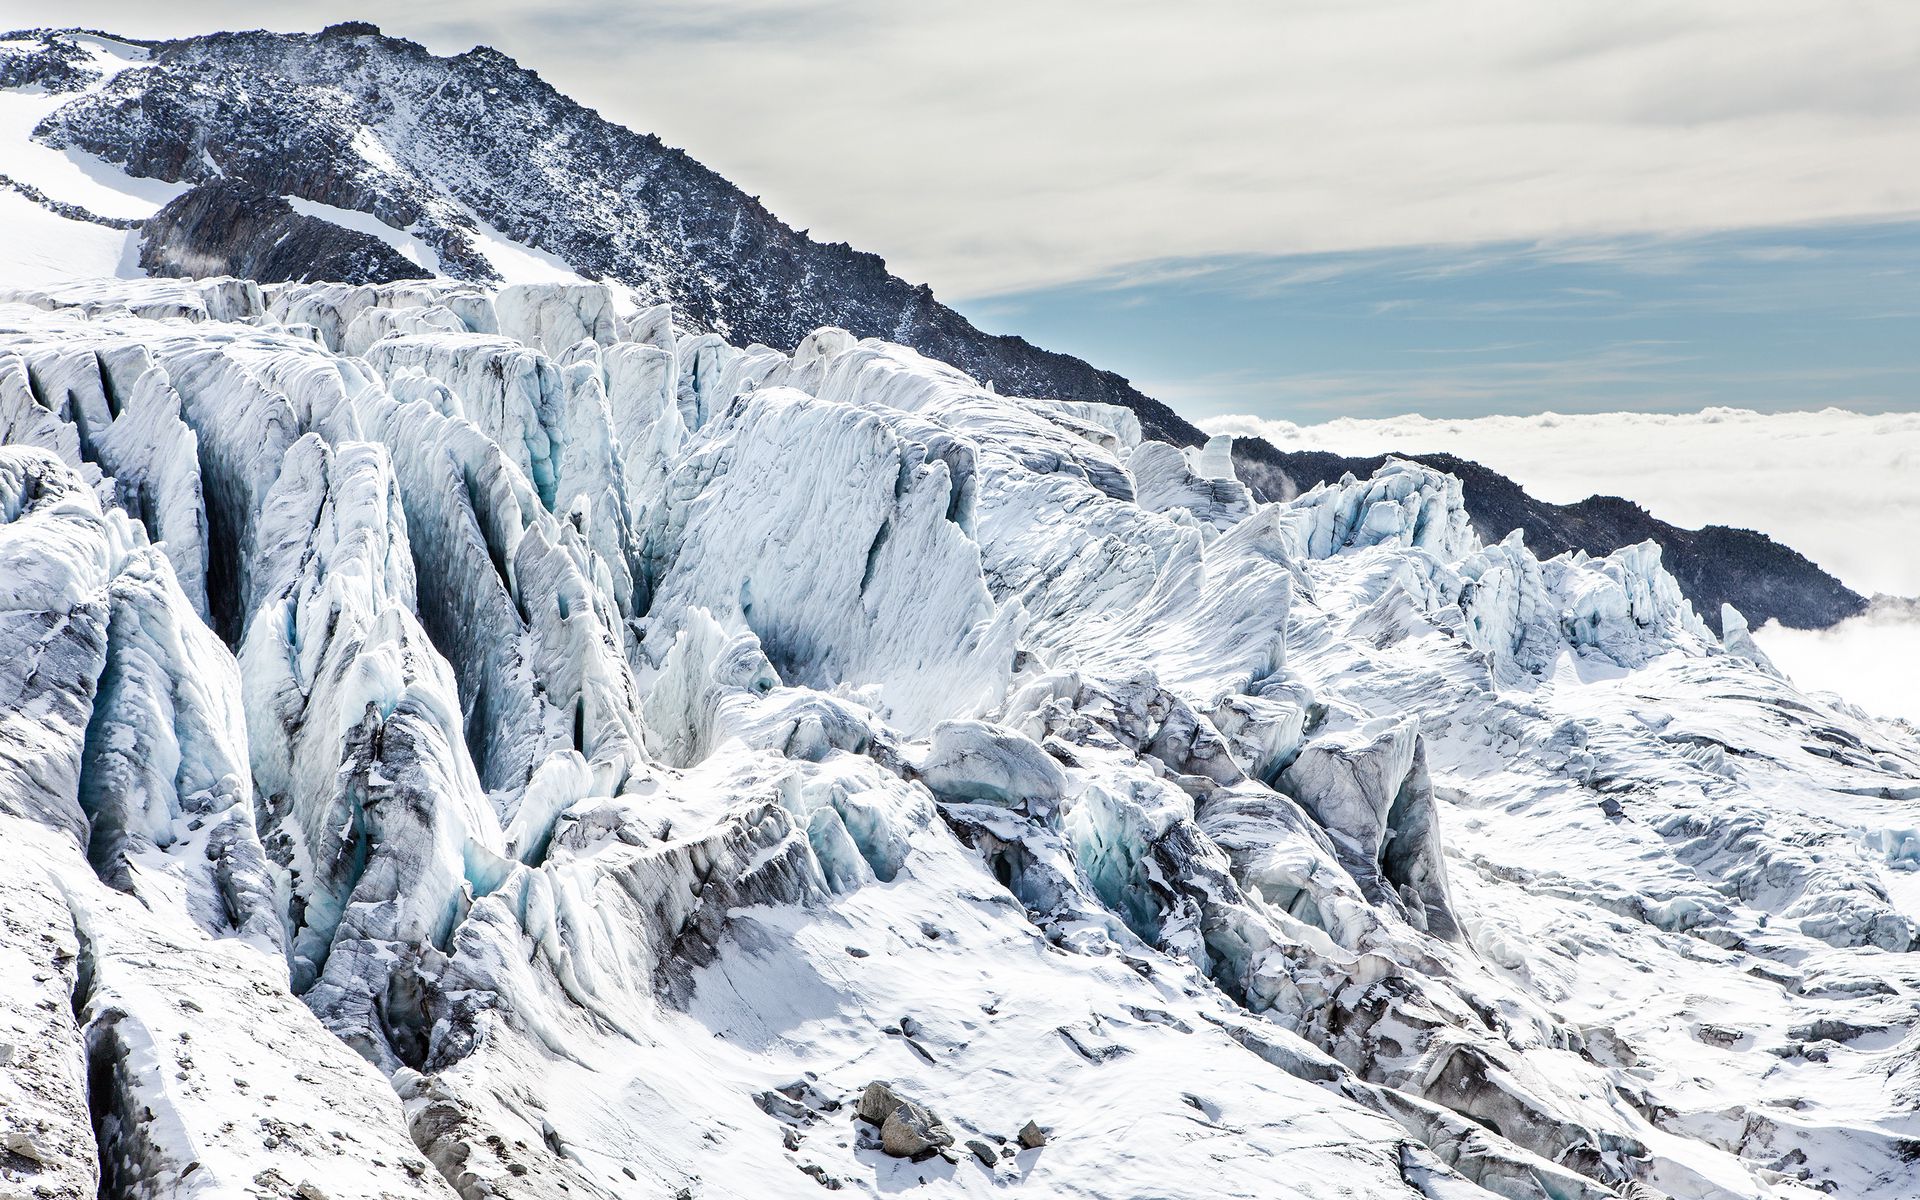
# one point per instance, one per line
(504, 740)
(501, 744)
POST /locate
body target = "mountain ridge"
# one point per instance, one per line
(246, 118)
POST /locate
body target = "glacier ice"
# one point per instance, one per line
(1200, 484)
(494, 745)
(551, 317)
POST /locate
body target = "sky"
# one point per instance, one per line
(1302, 207)
(1823, 314)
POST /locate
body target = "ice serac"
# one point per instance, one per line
(109, 412)
(57, 554)
(215, 298)
(1625, 605)
(349, 317)
(1737, 639)
(1199, 483)
(639, 745)
(838, 535)
(514, 598)
(641, 383)
(1510, 614)
(166, 781)
(356, 725)
(372, 324)
(554, 422)
(145, 1000)
(247, 399)
(1371, 793)
(122, 710)
(552, 317)
(1405, 504)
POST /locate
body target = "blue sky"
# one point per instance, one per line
(1769, 319)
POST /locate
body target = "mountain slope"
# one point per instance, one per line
(463, 164)
(372, 124)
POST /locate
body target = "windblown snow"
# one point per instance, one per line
(496, 745)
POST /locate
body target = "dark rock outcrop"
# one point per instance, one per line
(40, 59)
(1714, 565)
(225, 228)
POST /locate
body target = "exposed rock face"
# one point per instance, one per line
(45, 60)
(226, 228)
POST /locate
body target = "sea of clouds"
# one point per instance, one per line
(1843, 488)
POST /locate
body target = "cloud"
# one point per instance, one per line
(1870, 660)
(994, 145)
(1842, 488)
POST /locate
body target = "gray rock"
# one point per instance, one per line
(776, 1104)
(913, 1132)
(1829, 1029)
(877, 1103)
(1032, 1137)
(21, 1143)
(907, 1130)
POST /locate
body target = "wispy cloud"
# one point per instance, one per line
(1490, 348)
(996, 145)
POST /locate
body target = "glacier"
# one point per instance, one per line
(516, 743)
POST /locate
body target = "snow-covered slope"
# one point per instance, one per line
(458, 742)
(468, 164)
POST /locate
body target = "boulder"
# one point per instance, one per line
(907, 1130)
